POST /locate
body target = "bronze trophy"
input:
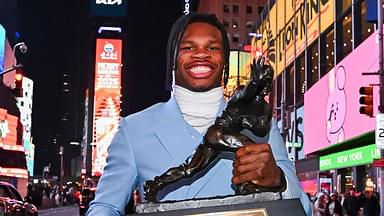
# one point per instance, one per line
(246, 110)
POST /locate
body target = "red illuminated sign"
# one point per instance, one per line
(106, 113)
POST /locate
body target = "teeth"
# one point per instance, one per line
(200, 69)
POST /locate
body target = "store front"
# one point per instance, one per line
(351, 168)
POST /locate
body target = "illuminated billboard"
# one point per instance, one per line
(290, 26)
(109, 7)
(331, 106)
(12, 156)
(239, 70)
(106, 111)
(2, 48)
(349, 158)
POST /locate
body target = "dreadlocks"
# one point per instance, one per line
(176, 34)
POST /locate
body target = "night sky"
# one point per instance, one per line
(60, 36)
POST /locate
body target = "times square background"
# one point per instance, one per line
(65, 114)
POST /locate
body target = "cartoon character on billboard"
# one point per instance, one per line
(336, 106)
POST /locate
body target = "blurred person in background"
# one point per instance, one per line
(370, 204)
(351, 203)
(333, 207)
(320, 204)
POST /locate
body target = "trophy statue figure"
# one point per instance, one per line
(246, 110)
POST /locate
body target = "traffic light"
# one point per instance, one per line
(18, 90)
(366, 100)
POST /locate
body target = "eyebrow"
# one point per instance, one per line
(210, 41)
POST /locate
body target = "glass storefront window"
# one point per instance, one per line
(327, 56)
(289, 85)
(362, 28)
(312, 62)
(300, 80)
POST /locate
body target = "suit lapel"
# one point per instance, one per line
(172, 130)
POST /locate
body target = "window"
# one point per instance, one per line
(313, 67)
(225, 23)
(327, 57)
(279, 91)
(249, 9)
(235, 9)
(300, 79)
(289, 85)
(362, 28)
(225, 8)
(22, 103)
(342, 6)
(249, 24)
(344, 36)
(235, 38)
(235, 24)
(260, 9)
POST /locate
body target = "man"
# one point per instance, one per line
(351, 203)
(164, 135)
(370, 203)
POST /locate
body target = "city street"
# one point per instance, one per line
(60, 211)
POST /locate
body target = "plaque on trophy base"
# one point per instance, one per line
(261, 204)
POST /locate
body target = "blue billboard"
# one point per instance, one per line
(2, 47)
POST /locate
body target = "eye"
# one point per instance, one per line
(213, 48)
(187, 48)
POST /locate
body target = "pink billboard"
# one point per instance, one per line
(331, 106)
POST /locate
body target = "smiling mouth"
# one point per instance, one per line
(200, 71)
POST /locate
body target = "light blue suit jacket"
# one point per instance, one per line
(151, 141)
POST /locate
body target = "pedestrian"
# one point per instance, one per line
(351, 203)
(166, 134)
(333, 206)
(320, 204)
(370, 204)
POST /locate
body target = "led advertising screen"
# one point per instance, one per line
(331, 106)
(106, 112)
(294, 136)
(12, 157)
(349, 158)
(109, 7)
(2, 47)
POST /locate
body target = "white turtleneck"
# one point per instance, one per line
(199, 109)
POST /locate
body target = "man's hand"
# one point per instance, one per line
(255, 163)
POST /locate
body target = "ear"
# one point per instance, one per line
(340, 77)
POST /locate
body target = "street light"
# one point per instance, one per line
(61, 153)
(23, 49)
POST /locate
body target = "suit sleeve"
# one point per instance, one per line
(119, 176)
(279, 150)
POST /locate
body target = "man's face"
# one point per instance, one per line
(200, 61)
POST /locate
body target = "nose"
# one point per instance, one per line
(201, 54)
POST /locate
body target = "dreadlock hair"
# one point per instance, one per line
(174, 40)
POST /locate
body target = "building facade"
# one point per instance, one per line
(319, 50)
(24, 104)
(238, 17)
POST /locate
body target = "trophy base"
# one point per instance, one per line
(152, 207)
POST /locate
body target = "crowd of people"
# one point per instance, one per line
(351, 203)
(61, 196)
